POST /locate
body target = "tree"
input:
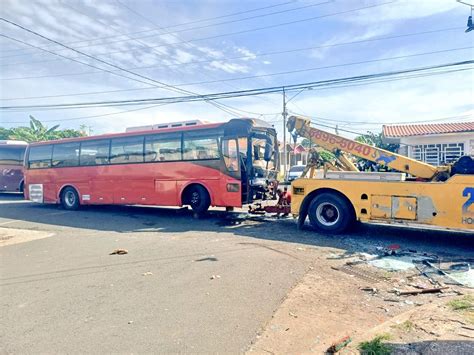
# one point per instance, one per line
(376, 139)
(37, 131)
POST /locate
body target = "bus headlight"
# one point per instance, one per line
(233, 187)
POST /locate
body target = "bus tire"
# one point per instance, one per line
(70, 199)
(330, 212)
(198, 198)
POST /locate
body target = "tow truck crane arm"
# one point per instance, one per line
(299, 126)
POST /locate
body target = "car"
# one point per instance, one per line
(295, 172)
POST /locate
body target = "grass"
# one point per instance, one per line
(407, 326)
(376, 346)
(464, 305)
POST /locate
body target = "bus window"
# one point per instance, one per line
(66, 154)
(162, 148)
(230, 152)
(12, 155)
(127, 150)
(95, 152)
(200, 148)
(40, 157)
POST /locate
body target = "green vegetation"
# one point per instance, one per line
(37, 131)
(465, 306)
(376, 346)
(376, 139)
(462, 304)
(407, 326)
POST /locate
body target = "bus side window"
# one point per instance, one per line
(66, 154)
(162, 148)
(127, 150)
(200, 148)
(40, 157)
(230, 153)
(95, 152)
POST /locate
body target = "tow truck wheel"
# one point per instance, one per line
(331, 213)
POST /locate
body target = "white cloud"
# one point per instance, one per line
(246, 52)
(266, 62)
(402, 10)
(229, 67)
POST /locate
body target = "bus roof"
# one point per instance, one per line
(12, 142)
(249, 121)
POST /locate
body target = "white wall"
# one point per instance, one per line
(466, 138)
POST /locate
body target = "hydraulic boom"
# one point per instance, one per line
(334, 143)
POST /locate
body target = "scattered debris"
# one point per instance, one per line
(417, 292)
(130, 322)
(396, 262)
(373, 290)
(215, 277)
(148, 273)
(119, 252)
(362, 274)
(338, 345)
(292, 315)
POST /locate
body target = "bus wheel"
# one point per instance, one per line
(70, 199)
(331, 213)
(198, 198)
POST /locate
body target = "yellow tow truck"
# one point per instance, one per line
(418, 193)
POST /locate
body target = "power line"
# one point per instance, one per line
(178, 25)
(249, 56)
(242, 31)
(200, 27)
(250, 92)
(303, 70)
(167, 86)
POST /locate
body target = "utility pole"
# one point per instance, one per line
(285, 114)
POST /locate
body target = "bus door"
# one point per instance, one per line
(235, 163)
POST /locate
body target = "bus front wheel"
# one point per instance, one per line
(70, 199)
(198, 198)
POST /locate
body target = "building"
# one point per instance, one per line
(435, 144)
(296, 154)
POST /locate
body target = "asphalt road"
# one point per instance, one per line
(186, 285)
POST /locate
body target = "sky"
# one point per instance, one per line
(218, 46)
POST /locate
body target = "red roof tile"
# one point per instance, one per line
(426, 129)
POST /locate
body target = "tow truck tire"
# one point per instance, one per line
(70, 199)
(329, 212)
(199, 198)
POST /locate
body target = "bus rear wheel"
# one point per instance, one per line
(329, 212)
(70, 199)
(198, 198)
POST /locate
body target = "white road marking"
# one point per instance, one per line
(3, 223)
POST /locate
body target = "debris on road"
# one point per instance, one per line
(119, 252)
(426, 290)
(213, 277)
(148, 273)
(339, 345)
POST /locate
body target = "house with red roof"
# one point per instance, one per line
(433, 143)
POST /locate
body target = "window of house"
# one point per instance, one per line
(163, 147)
(40, 157)
(66, 154)
(126, 150)
(438, 154)
(95, 152)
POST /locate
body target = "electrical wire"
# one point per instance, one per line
(239, 32)
(250, 92)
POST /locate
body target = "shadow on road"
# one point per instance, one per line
(136, 219)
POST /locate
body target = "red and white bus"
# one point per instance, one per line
(201, 165)
(11, 165)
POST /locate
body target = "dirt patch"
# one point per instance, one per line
(340, 298)
(10, 236)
